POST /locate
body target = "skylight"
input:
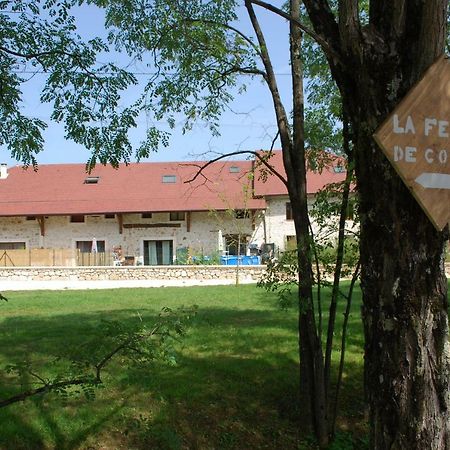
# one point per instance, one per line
(169, 179)
(91, 180)
(235, 169)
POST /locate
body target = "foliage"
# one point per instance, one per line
(281, 277)
(40, 37)
(193, 49)
(84, 367)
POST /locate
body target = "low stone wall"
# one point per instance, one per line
(201, 273)
(247, 274)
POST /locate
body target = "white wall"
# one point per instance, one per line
(203, 237)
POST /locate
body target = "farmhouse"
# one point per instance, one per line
(150, 213)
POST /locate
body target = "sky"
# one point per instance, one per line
(249, 124)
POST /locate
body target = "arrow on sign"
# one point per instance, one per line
(434, 180)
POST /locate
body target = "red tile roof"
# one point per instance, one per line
(315, 180)
(60, 189)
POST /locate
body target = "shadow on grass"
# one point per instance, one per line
(37, 425)
(236, 385)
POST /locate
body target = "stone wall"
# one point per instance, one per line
(180, 273)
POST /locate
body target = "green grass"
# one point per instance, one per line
(235, 385)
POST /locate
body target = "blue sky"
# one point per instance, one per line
(248, 125)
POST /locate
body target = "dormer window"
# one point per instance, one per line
(91, 180)
(169, 179)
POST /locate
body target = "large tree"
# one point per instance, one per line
(375, 60)
(375, 56)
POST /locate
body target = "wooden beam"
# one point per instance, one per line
(41, 221)
(188, 221)
(151, 225)
(120, 222)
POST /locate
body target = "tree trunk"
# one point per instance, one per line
(403, 278)
(311, 354)
(404, 286)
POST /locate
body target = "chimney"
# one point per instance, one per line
(3, 171)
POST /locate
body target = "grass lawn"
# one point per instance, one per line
(235, 385)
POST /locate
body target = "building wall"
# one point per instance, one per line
(277, 228)
(206, 235)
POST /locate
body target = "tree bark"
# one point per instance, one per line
(310, 346)
(404, 286)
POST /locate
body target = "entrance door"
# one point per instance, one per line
(157, 253)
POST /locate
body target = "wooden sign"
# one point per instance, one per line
(416, 140)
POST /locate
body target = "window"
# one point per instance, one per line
(146, 215)
(288, 211)
(77, 219)
(241, 214)
(338, 169)
(31, 218)
(169, 179)
(234, 169)
(91, 180)
(177, 216)
(110, 216)
(12, 246)
(235, 242)
(86, 246)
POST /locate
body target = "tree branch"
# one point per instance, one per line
(228, 27)
(34, 55)
(325, 26)
(46, 388)
(349, 26)
(327, 48)
(242, 152)
(95, 380)
(280, 112)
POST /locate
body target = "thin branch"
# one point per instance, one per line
(46, 388)
(322, 42)
(33, 55)
(343, 345)
(231, 28)
(280, 112)
(340, 252)
(242, 152)
(96, 380)
(319, 285)
(274, 140)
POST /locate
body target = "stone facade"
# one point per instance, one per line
(204, 233)
(274, 226)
